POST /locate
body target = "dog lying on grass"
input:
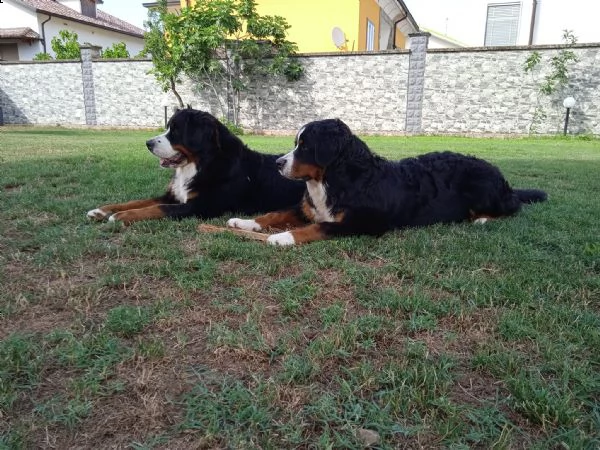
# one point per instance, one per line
(351, 191)
(214, 173)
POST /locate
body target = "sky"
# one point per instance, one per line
(130, 11)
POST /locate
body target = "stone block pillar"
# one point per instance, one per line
(88, 52)
(416, 81)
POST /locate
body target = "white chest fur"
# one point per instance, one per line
(318, 195)
(181, 180)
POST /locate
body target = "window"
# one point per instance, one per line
(9, 52)
(502, 25)
(370, 35)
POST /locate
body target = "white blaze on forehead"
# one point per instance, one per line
(298, 136)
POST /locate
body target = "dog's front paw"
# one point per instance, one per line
(243, 224)
(283, 239)
(98, 214)
(121, 217)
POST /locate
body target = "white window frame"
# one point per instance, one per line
(502, 30)
(370, 36)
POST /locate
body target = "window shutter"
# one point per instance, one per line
(502, 24)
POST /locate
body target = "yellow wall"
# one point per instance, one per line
(369, 10)
(313, 20)
(400, 39)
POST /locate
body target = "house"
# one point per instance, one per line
(480, 23)
(173, 6)
(342, 25)
(28, 26)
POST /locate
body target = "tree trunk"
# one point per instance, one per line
(174, 90)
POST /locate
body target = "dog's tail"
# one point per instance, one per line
(531, 195)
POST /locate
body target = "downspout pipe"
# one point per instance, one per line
(44, 33)
(532, 25)
(395, 31)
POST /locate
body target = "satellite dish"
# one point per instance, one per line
(339, 38)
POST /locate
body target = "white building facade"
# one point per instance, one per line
(28, 26)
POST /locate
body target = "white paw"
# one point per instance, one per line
(243, 224)
(282, 239)
(97, 214)
(480, 221)
(112, 218)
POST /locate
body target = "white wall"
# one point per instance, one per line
(86, 33)
(580, 16)
(464, 20)
(73, 4)
(12, 15)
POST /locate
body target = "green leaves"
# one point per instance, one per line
(223, 45)
(66, 46)
(117, 51)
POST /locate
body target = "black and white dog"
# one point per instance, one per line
(351, 191)
(215, 173)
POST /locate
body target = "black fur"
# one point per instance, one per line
(374, 195)
(231, 177)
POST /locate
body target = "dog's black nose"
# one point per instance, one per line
(150, 144)
(280, 163)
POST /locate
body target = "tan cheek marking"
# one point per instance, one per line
(182, 149)
(308, 234)
(300, 170)
(280, 219)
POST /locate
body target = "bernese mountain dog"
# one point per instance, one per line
(214, 173)
(351, 191)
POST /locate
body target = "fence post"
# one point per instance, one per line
(87, 77)
(416, 81)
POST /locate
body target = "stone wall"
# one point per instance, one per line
(44, 94)
(488, 91)
(435, 91)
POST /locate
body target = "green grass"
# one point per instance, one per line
(155, 336)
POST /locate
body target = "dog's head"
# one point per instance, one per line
(192, 136)
(317, 145)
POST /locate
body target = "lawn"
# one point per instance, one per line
(156, 336)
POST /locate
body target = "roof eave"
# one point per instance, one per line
(409, 16)
(115, 30)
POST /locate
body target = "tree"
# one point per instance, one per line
(556, 80)
(41, 56)
(224, 46)
(66, 46)
(117, 51)
(167, 59)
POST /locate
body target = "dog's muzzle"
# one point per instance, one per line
(150, 144)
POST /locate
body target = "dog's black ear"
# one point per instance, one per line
(331, 138)
(201, 132)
